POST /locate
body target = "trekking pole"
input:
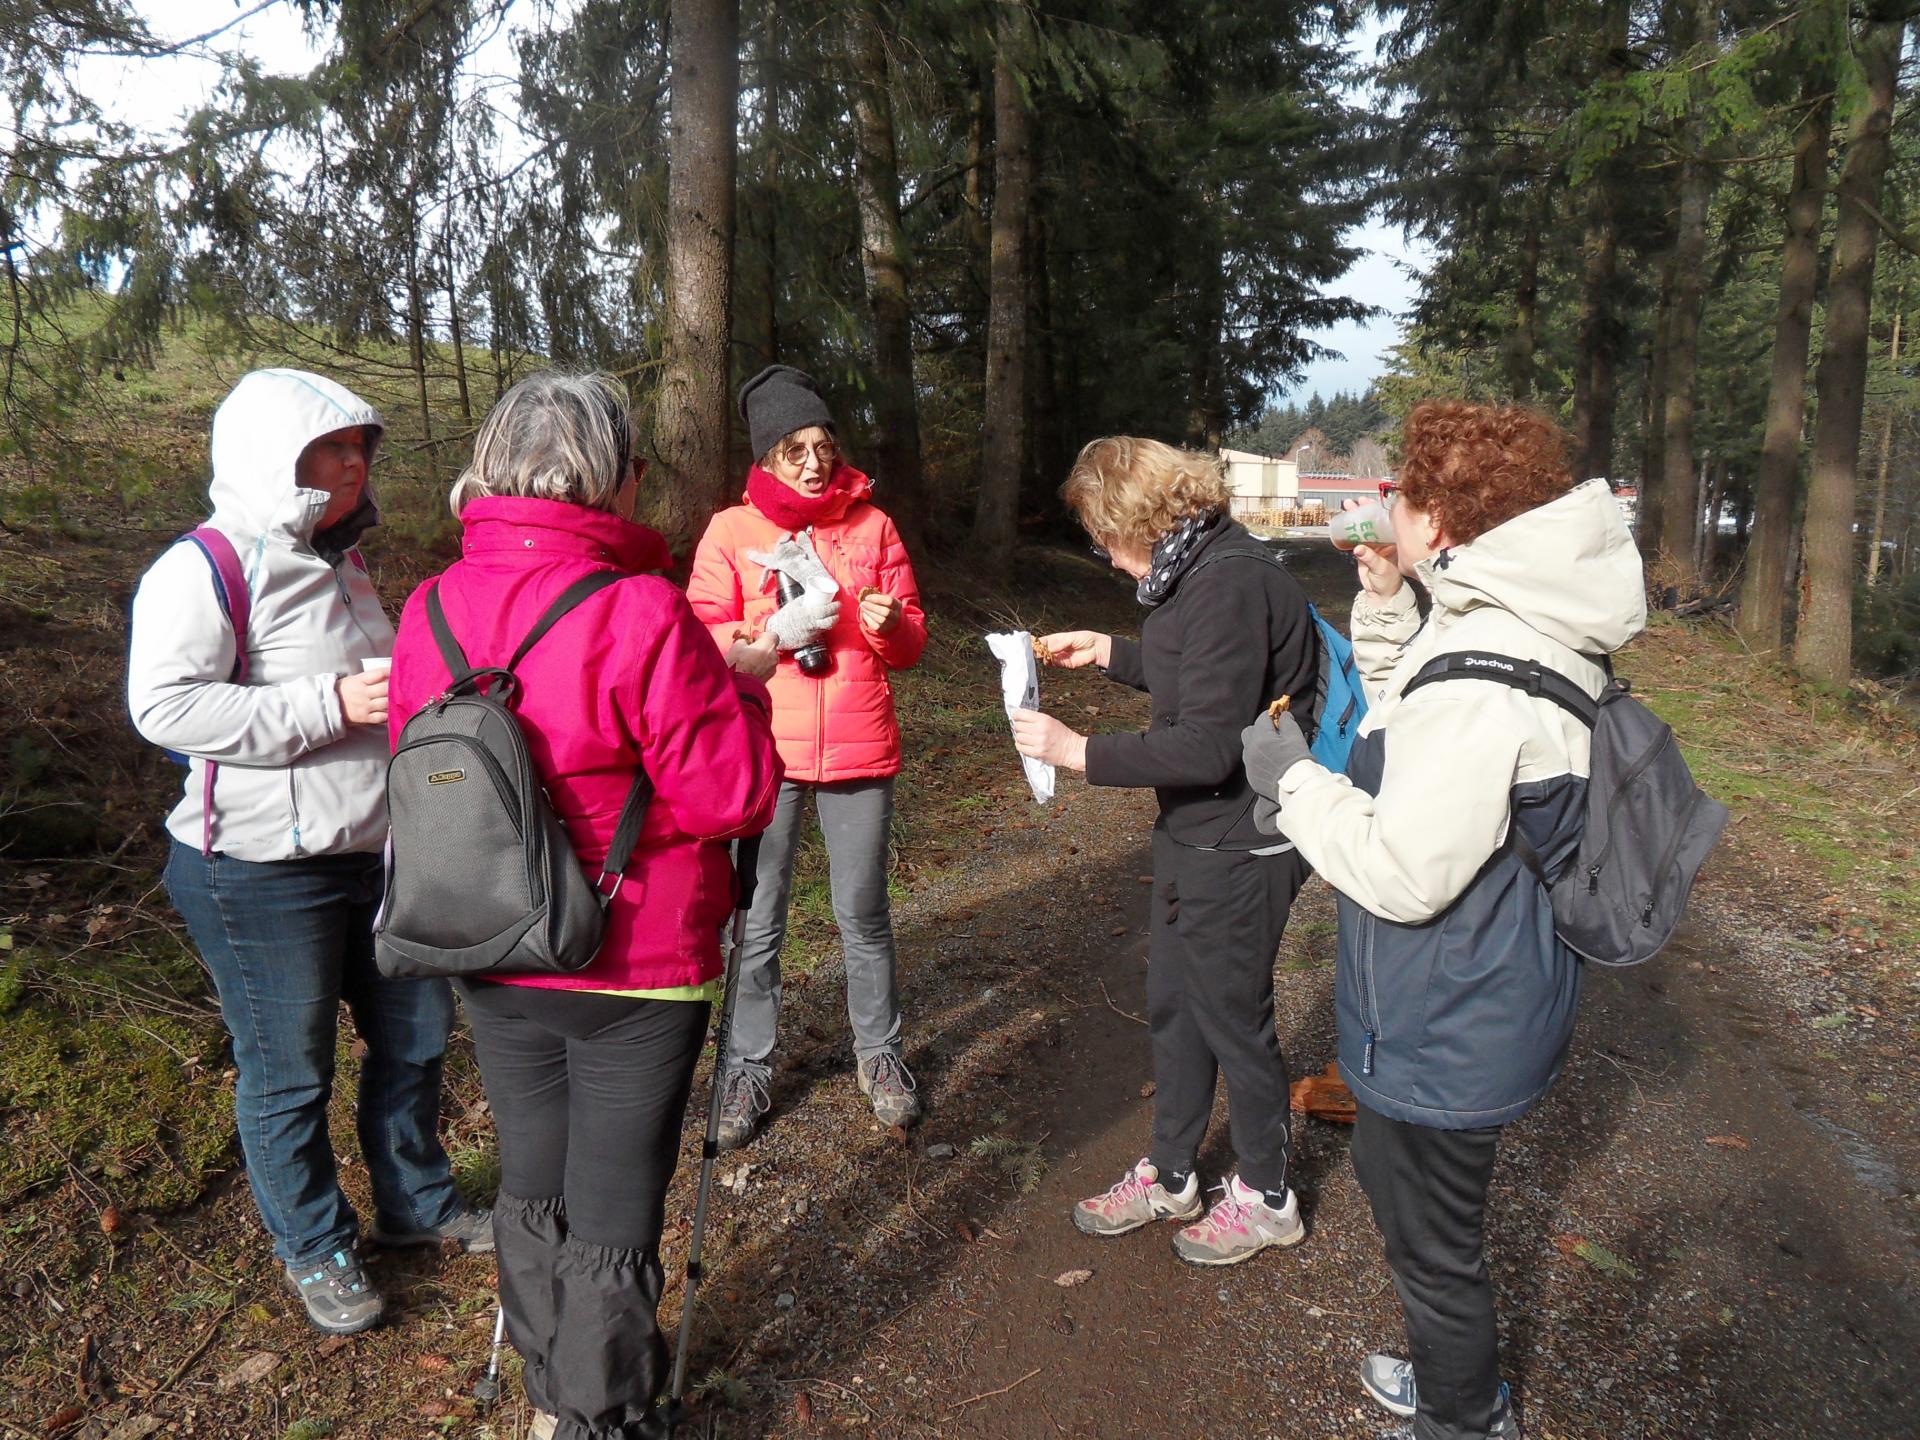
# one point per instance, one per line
(486, 1389)
(746, 868)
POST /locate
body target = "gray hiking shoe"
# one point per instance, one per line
(743, 1100)
(886, 1081)
(1138, 1198)
(1239, 1226)
(1388, 1380)
(339, 1298)
(472, 1230)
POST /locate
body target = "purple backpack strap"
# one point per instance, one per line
(230, 588)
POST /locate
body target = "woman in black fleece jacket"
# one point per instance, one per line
(1227, 631)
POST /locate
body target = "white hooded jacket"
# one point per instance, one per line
(1558, 585)
(1455, 997)
(294, 778)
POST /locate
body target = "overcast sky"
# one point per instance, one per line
(158, 94)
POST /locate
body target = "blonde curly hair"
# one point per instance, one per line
(1130, 491)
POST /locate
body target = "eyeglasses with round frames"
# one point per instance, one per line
(795, 454)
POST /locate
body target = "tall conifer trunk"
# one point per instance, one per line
(1878, 530)
(693, 416)
(1763, 589)
(883, 258)
(1596, 358)
(1823, 642)
(1678, 535)
(1003, 441)
(1653, 432)
(1525, 339)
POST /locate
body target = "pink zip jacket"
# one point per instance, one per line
(629, 677)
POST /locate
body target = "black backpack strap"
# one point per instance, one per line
(1528, 675)
(626, 833)
(451, 654)
(1308, 716)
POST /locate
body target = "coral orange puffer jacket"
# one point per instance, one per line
(840, 725)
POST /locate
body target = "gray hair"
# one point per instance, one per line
(553, 436)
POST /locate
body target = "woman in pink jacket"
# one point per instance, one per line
(807, 528)
(587, 1074)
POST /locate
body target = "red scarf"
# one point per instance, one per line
(790, 510)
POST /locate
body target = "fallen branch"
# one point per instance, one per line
(989, 1394)
(1116, 1009)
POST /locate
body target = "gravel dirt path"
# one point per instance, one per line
(1696, 1235)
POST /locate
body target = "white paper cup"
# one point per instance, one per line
(377, 664)
(1369, 524)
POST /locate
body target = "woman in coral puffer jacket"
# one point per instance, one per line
(588, 1073)
(807, 515)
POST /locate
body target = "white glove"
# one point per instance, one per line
(814, 612)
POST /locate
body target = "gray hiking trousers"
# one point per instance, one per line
(856, 817)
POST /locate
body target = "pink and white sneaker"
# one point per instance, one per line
(1138, 1199)
(1239, 1226)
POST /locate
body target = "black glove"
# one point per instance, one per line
(1269, 749)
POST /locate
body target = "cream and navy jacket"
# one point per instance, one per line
(294, 778)
(1455, 999)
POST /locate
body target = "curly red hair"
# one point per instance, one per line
(1472, 467)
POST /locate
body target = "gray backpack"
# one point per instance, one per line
(481, 877)
(1649, 827)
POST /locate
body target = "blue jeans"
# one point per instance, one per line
(286, 942)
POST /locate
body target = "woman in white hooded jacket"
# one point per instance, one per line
(277, 837)
(1455, 998)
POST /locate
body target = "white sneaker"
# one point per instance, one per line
(1138, 1199)
(1239, 1226)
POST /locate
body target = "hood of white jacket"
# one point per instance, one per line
(1568, 568)
(258, 434)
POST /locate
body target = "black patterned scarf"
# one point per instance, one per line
(1171, 553)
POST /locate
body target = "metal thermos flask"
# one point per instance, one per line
(812, 658)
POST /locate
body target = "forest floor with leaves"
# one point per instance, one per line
(1710, 1228)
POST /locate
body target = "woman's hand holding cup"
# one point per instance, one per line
(1378, 568)
(363, 697)
(1075, 649)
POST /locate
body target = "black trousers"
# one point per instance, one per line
(1428, 1189)
(1216, 923)
(588, 1094)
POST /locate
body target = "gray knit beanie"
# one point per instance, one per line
(777, 402)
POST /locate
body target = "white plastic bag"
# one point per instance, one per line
(1020, 690)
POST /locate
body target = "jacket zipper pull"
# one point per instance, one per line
(1366, 1061)
(1593, 880)
(1646, 915)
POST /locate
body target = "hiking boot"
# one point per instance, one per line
(471, 1230)
(743, 1100)
(1239, 1226)
(339, 1298)
(1389, 1381)
(1137, 1198)
(886, 1081)
(1505, 1425)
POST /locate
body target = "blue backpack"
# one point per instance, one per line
(1340, 701)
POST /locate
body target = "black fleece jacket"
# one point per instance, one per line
(1232, 636)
